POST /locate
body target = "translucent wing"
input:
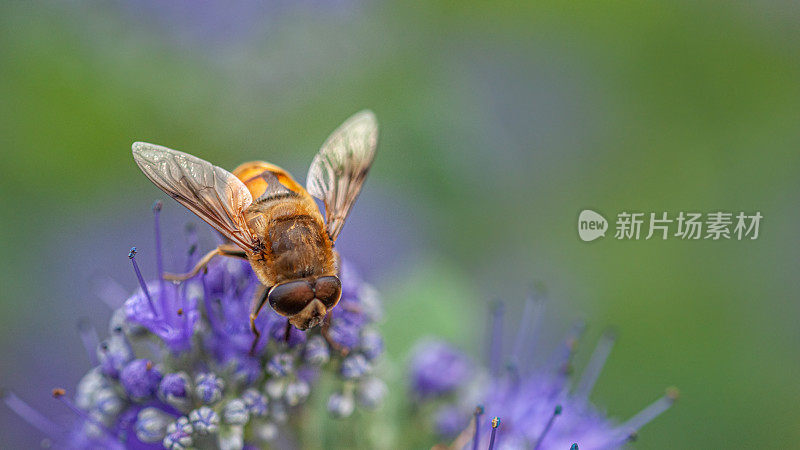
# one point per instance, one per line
(340, 167)
(213, 193)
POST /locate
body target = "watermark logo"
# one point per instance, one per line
(634, 226)
(591, 225)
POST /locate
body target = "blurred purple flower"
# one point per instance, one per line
(177, 369)
(539, 406)
(212, 23)
(438, 368)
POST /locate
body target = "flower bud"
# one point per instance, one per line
(179, 435)
(255, 401)
(371, 344)
(341, 405)
(107, 403)
(113, 354)
(140, 379)
(371, 392)
(208, 388)
(355, 366)
(280, 365)
(266, 431)
(235, 412)
(151, 424)
(316, 352)
(204, 420)
(296, 392)
(174, 390)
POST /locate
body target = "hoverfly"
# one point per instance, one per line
(271, 220)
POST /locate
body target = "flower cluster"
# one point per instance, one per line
(540, 408)
(180, 368)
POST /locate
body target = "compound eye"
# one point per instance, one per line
(328, 290)
(290, 298)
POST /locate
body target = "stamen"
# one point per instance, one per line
(528, 326)
(513, 373)
(183, 306)
(89, 338)
(477, 414)
(556, 413)
(651, 412)
(132, 257)
(30, 415)
(159, 261)
(162, 297)
(496, 336)
(628, 430)
(595, 365)
(109, 291)
(620, 440)
(495, 424)
(212, 317)
(563, 357)
(60, 394)
(191, 237)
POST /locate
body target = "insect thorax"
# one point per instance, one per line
(296, 244)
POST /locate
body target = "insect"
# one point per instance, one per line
(271, 220)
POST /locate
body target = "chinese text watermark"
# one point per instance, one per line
(717, 225)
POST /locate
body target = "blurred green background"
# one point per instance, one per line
(500, 121)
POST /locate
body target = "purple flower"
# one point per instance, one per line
(140, 379)
(341, 404)
(113, 354)
(371, 344)
(174, 390)
(539, 406)
(355, 366)
(162, 307)
(450, 421)
(437, 368)
(173, 320)
(200, 382)
(358, 308)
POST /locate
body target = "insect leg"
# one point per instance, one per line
(287, 332)
(258, 302)
(224, 250)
